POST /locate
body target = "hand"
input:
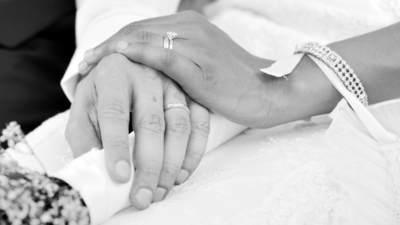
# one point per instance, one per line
(168, 145)
(210, 67)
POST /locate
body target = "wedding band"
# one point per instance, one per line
(171, 35)
(171, 43)
(166, 42)
(176, 105)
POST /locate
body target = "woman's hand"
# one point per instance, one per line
(210, 67)
(221, 76)
(168, 145)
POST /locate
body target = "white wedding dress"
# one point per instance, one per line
(329, 170)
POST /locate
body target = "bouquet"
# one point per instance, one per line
(28, 197)
(80, 193)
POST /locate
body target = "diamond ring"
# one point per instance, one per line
(168, 39)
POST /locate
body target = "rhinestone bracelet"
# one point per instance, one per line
(338, 65)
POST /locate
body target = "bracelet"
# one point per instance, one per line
(338, 65)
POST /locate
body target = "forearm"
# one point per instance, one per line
(375, 57)
(307, 92)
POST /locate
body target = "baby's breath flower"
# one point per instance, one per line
(12, 134)
(16, 142)
(28, 197)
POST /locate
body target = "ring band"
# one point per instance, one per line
(176, 105)
(166, 42)
(171, 43)
(170, 36)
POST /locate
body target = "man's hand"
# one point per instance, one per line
(168, 145)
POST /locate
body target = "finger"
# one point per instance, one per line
(179, 23)
(171, 63)
(200, 119)
(156, 25)
(82, 131)
(93, 56)
(113, 112)
(176, 140)
(149, 126)
(84, 68)
(153, 35)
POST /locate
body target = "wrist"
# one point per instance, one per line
(304, 93)
(257, 101)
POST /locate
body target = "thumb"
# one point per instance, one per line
(82, 133)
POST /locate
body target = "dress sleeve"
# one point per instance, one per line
(97, 20)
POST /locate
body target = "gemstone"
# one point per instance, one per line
(171, 35)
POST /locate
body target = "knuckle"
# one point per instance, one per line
(144, 37)
(115, 110)
(118, 143)
(169, 58)
(129, 29)
(179, 126)
(202, 128)
(151, 168)
(153, 123)
(170, 170)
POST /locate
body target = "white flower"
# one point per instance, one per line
(12, 134)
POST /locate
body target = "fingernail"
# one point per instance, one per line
(123, 169)
(122, 45)
(82, 66)
(88, 54)
(143, 197)
(182, 177)
(159, 194)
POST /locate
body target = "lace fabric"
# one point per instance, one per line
(391, 151)
(299, 173)
(306, 172)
